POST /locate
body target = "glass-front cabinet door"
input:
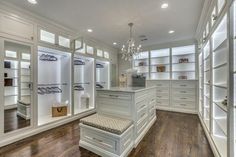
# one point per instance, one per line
(83, 83)
(54, 85)
(17, 85)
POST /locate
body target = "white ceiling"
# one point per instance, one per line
(109, 18)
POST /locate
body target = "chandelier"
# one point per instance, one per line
(131, 51)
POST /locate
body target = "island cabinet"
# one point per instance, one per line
(136, 104)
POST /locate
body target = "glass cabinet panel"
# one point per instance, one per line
(183, 62)
(220, 86)
(220, 4)
(47, 37)
(102, 74)
(83, 84)
(17, 86)
(141, 63)
(89, 50)
(160, 64)
(207, 84)
(65, 42)
(99, 53)
(106, 55)
(54, 85)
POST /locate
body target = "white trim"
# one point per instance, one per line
(171, 109)
(212, 145)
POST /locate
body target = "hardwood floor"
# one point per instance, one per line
(14, 122)
(172, 135)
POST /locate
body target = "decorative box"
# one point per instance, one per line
(59, 111)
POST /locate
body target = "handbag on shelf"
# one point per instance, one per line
(183, 60)
(183, 77)
(161, 68)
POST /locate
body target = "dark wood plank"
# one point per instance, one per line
(172, 135)
(13, 122)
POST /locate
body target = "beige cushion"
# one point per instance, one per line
(107, 123)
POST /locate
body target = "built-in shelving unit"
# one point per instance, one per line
(54, 83)
(141, 63)
(183, 62)
(83, 83)
(200, 78)
(207, 83)
(160, 64)
(102, 74)
(220, 86)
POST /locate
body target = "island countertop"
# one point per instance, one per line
(126, 89)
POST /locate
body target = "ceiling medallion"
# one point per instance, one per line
(131, 51)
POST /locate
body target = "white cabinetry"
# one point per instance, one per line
(176, 95)
(17, 28)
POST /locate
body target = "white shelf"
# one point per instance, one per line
(221, 144)
(219, 103)
(222, 123)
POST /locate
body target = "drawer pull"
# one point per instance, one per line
(159, 84)
(114, 96)
(143, 115)
(183, 85)
(97, 140)
(183, 104)
(141, 107)
(183, 92)
(183, 98)
(158, 102)
(159, 96)
(159, 90)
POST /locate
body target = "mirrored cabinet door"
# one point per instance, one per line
(17, 93)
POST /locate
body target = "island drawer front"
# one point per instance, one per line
(141, 124)
(112, 95)
(141, 104)
(114, 107)
(152, 114)
(162, 96)
(152, 107)
(162, 102)
(139, 96)
(184, 104)
(163, 90)
(184, 97)
(190, 91)
(100, 140)
(152, 100)
(142, 112)
(183, 84)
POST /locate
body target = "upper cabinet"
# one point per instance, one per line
(16, 28)
(48, 37)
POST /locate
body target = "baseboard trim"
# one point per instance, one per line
(211, 142)
(176, 110)
(12, 137)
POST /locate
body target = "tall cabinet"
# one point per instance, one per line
(213, 71)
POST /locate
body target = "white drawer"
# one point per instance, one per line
(184, 97)
(152, 114)
(141, 124)
(163, 90)
(162, 84)
(142, 112)
(183, 84)
(100, 140)
(184, 104)
(141, 104)
(162, 102)
(162, 96)
(189, 91)
(152, 100)
(110, 95)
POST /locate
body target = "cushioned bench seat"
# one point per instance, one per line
(107, 123)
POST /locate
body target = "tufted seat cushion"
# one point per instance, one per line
(107, 123)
